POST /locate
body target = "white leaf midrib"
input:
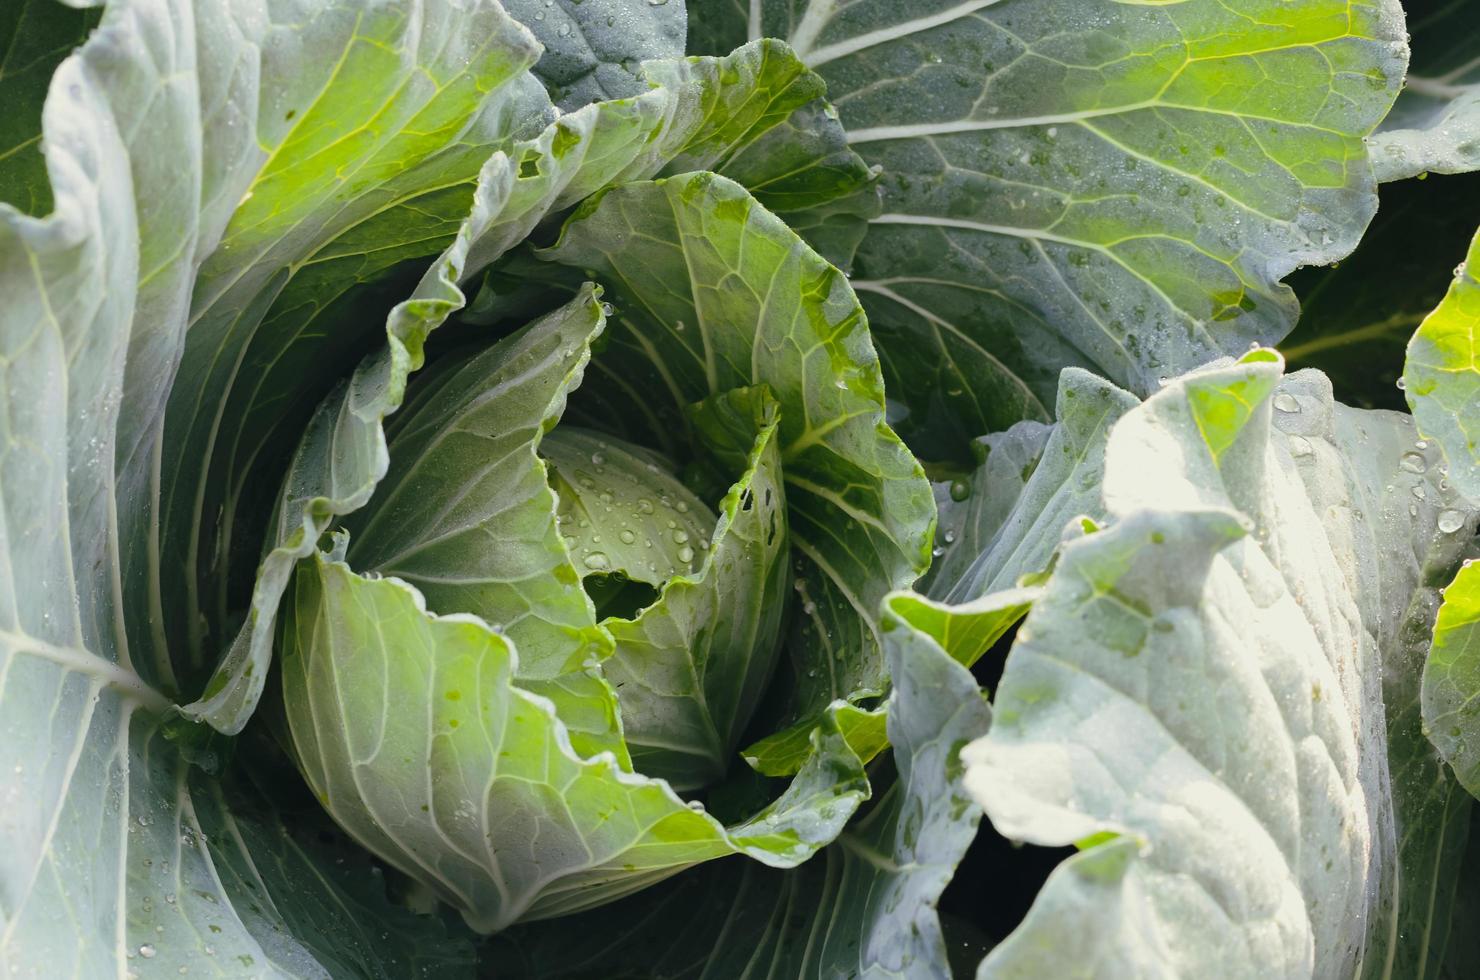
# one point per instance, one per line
(104, 672)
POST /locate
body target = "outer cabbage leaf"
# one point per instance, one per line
(1116, 186)
(865, 907)
(321, 160)
(721, 294)
(103, 821)
(1216, 698)
(592, 47)
(314, 902)
(804, 172)
(1442, 374)
(1435, 124)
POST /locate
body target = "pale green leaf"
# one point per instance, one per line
(480, 794)
(1452, 677)
(973, 504)
(1216, 694)
(998, 550)
(1442, 374)
(325, 160)
(465, 512)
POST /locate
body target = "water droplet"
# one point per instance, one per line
(1402, 384)
(1413, 462)
(1450, 521)
(950, 537)
(1418, 491)
(146, 951)
(681, 507)
(597, 459)
(680, 536)
(644, 505)
(960, 490)
(1286, 402)
(627, 537)
(597, 560)
(1300, 446)
(685, 554)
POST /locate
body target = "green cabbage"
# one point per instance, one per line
(621, 488)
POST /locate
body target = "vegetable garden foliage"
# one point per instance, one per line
(630, 488)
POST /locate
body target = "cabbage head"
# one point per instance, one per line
(612, 545)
